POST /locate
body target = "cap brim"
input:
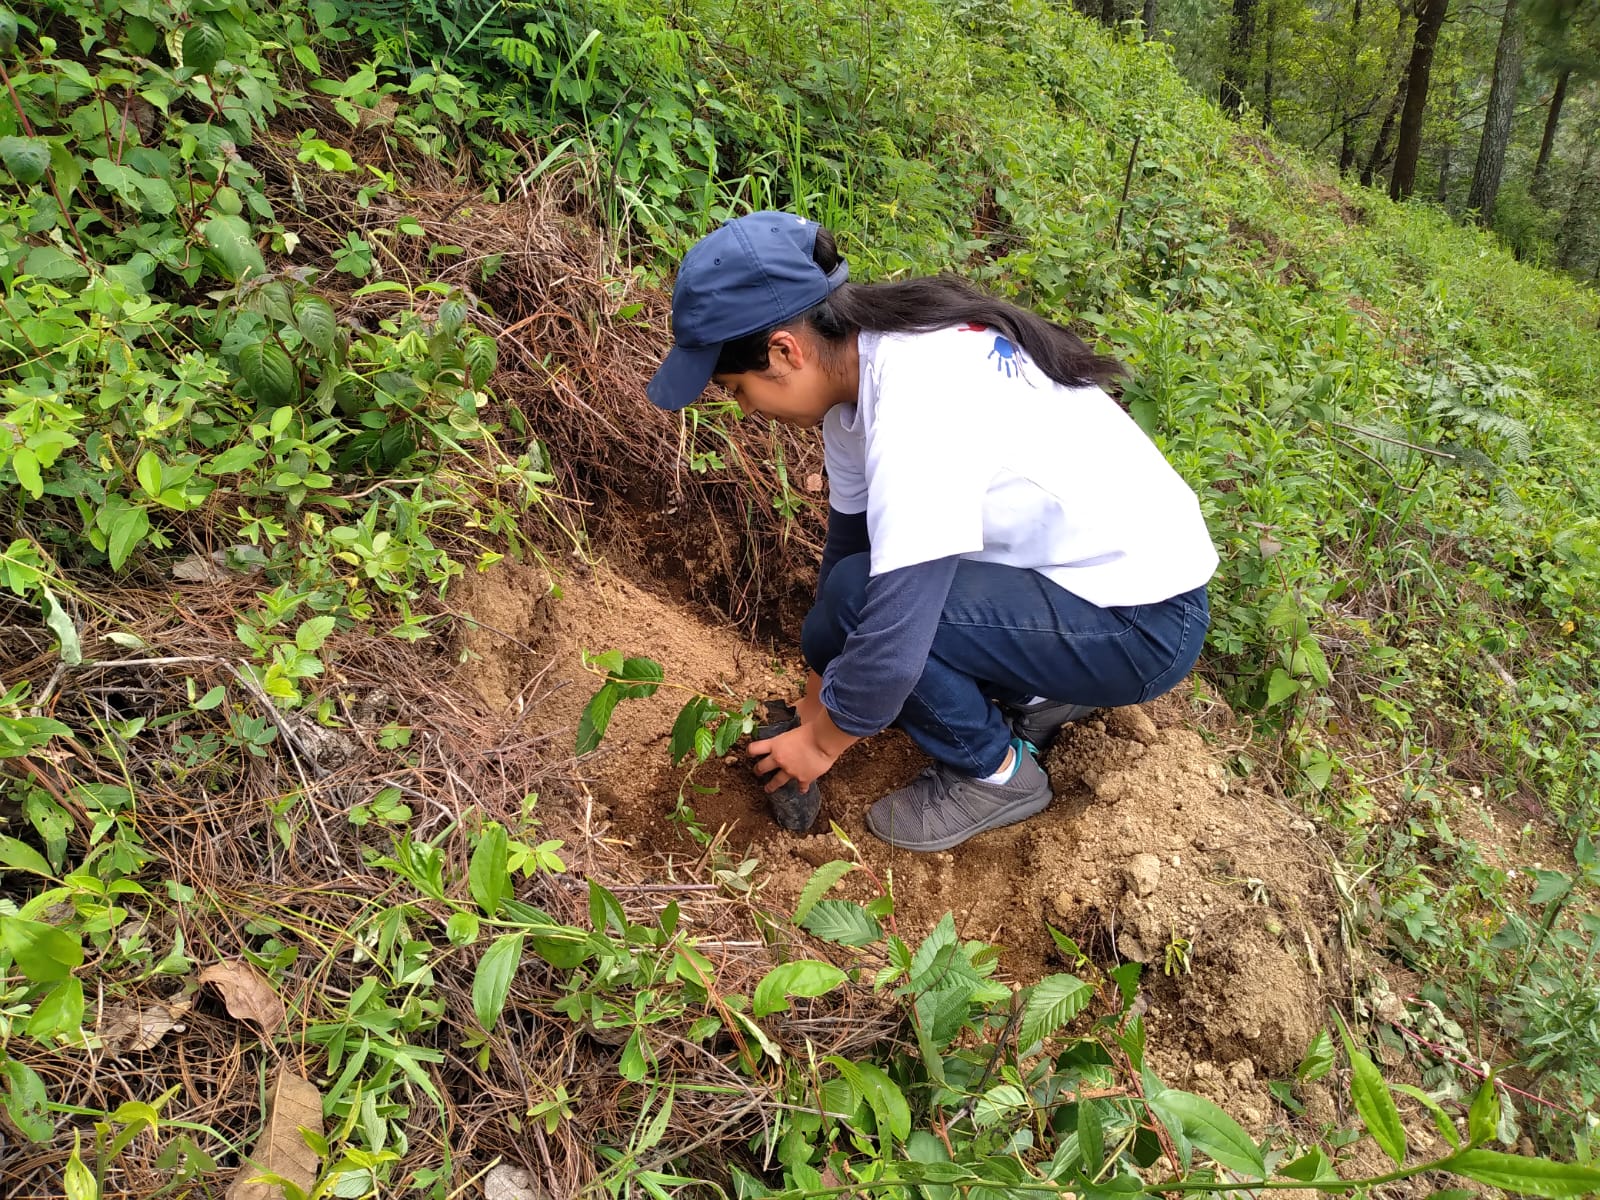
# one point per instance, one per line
(682, 377)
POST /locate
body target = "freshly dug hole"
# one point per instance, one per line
(1150, 852)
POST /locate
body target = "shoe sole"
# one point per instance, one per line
(1020, 811)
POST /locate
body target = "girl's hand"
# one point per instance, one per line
(794, 755)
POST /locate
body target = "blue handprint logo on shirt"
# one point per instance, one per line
(1006, 355)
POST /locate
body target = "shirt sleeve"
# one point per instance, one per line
(847, 535)
(928, 467)
(867, 685)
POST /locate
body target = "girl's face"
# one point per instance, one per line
(800, 383)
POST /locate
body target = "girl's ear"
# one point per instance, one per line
(786, 347)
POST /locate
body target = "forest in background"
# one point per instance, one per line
(313, 310)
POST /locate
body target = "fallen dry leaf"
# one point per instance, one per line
(246, 993)
(293, 1104)
(506, 1182)
(129, 1028)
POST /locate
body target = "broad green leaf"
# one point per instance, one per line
(1373, 1102)
(238, 458)
(313, 632)
(19, 856)
(1210, 1129)
(149, 473)
(482, 355)
(1281, 686)
(1091, 1136)
(202, 47)
(686, 727)
(821, 881)
(314, 318)
(881, 1093)
(462, 928)
(487, 876)
(25, 1100)
(60, 1012)
(26, 158)
(231, 240)
(843, 922)
(792, 979)
(596, 718)
(1532, 1176)
(44, 952)
(26, 464)
(492, 982)
(269, 373)
(128, 528)
(56, 265)
(633, 1065)
(1052, 1002)
(1552, 885)
(639, 677)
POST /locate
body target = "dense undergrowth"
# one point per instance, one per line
(248, 345)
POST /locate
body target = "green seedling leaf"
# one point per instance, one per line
(24, 1100)
(1552, 885)
(1531, 1176)
(1373, 1102)
(1313, 1165)
(633, 1065)
(794, 979)
(1126, 977)
(882, 1094)
(60, 1012)
(481, 355)
(492, 982)
(487, 875)
(1210, 1129)
(843, 922)
(1052, 1002)
(1318, 1060)
(597, 718)
(820, 883)
(462, 928)
(684, 730)
(1483, 1118)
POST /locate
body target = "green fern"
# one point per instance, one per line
(1515, 436)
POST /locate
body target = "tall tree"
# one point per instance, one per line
(1270, 37)
(1379, 158)
(1241, 41)
(1552, 118)
(1347, 134)
(1149, 16)
(1430, 18)
(1497, 119)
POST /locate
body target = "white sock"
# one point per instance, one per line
(1007, 768)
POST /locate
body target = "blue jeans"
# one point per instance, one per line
(1008, 634)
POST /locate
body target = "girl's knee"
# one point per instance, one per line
(837, 611)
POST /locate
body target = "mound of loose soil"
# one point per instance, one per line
(1152, 851)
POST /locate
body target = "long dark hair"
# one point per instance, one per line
(918, 306)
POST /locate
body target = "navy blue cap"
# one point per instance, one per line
(751, 274)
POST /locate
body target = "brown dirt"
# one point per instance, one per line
(1150, 840)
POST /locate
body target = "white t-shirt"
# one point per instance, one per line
(958, 444)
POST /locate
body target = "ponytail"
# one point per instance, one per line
(919, 306)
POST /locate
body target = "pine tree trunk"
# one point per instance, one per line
(1108, 13)
(1497, 120)
(1443, 194)
(1552, 118)
(1149, 17)
(1347, 135)
(1430, 17)
(1241, 38)
(1569, 240)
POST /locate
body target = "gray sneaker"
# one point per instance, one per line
(939, 808)
(1038, 724)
